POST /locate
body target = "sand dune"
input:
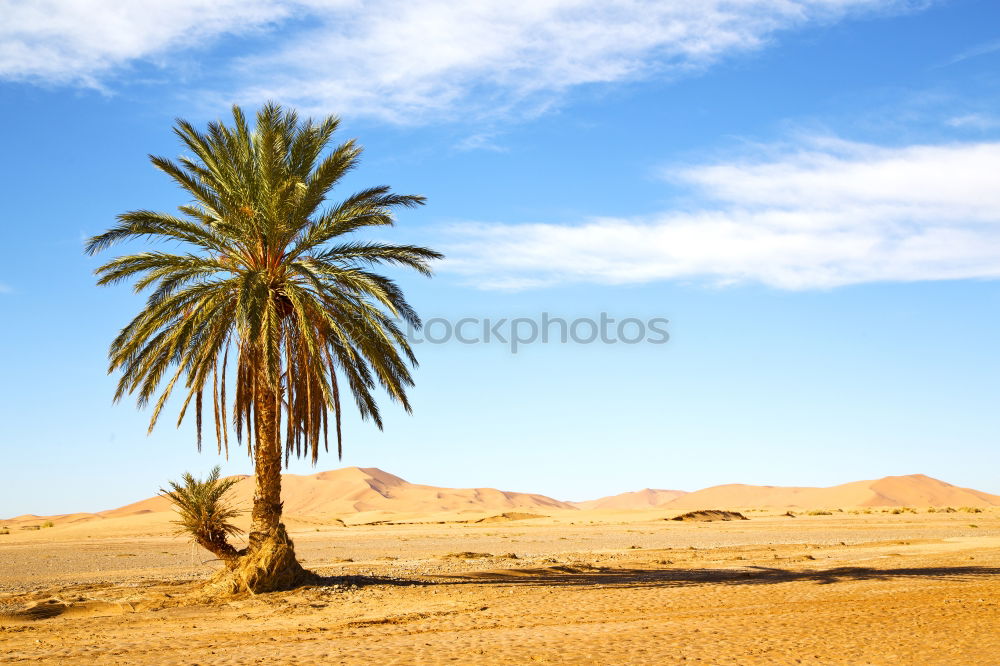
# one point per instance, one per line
(373, 494)
(915, 490)
(350, 490)
(647, 498)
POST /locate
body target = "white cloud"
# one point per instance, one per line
(81, 41)
(826, 214)
(5, 289)
(403, 61)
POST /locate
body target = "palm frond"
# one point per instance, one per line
(202, 506)
(270, 268)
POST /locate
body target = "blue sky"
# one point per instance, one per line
(807, 190)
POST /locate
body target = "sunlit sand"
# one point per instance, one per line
(519, 578)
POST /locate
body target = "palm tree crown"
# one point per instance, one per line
(269, 274)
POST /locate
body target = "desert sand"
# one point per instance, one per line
(520, 578)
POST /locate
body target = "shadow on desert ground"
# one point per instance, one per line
(572, 576)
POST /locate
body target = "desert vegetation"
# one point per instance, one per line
(710, 515)
(206, 513)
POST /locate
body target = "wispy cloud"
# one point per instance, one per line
(976, 51)
(5, 289)
(481, 141)
(819, 215)
(403, 61)
(978, 121)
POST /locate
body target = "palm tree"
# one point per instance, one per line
(270, 275)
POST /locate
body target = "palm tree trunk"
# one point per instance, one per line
(269, 562)
(218, 545)
(266, 515)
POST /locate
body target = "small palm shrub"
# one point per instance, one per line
(48, 523)
(205, 512)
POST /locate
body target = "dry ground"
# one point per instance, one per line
(627, 588)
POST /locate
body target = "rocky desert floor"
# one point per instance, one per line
(580, 587)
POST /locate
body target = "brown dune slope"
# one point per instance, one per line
(354, 489)
(910, 490)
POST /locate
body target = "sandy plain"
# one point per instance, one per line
(587, 587)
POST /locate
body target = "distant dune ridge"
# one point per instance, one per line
(911, 490)
(640, 499)
(353, 490)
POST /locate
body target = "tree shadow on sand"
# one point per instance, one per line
(752, 575)
(575, 576)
